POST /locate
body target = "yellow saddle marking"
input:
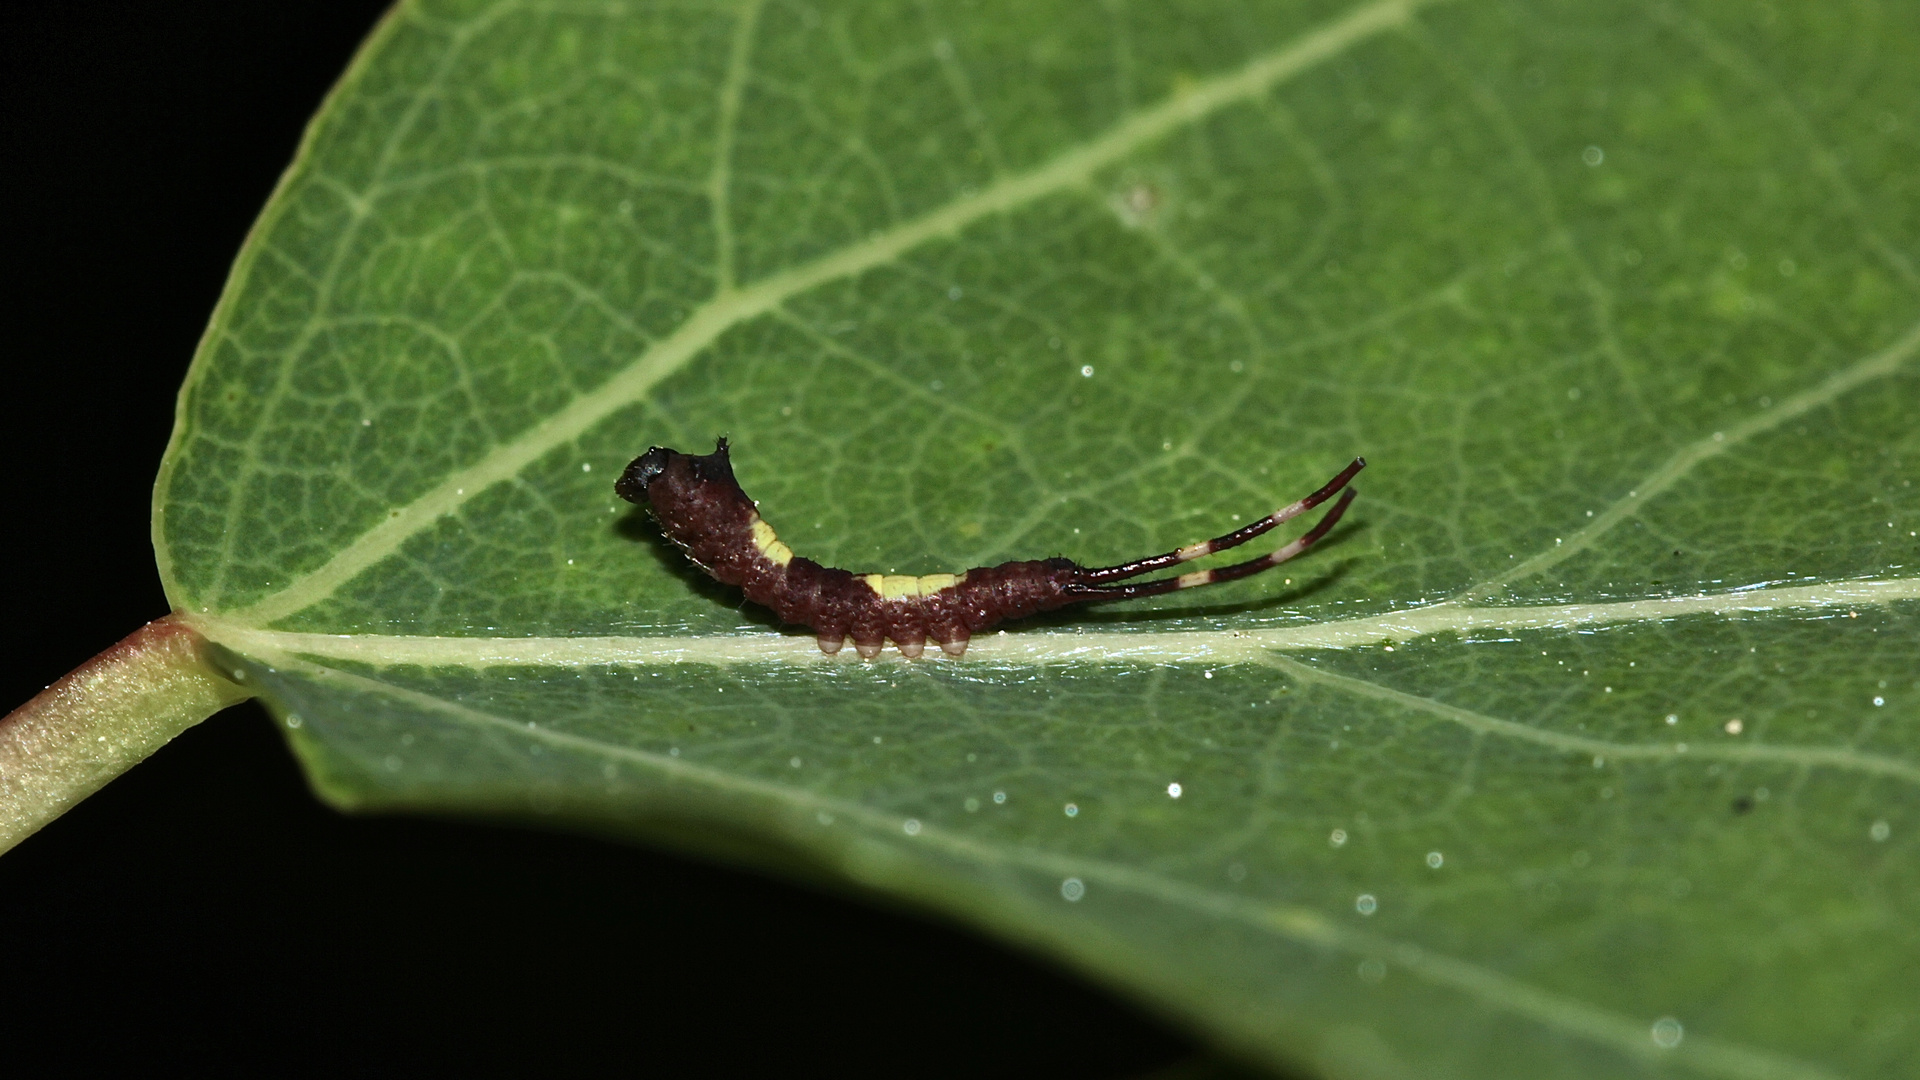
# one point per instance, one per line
(907, 587)
(769, 544)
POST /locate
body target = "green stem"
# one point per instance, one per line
(103, 719)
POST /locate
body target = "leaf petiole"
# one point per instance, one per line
(103, 718)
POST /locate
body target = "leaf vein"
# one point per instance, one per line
(1887, 362)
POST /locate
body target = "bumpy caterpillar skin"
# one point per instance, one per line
(701, 508)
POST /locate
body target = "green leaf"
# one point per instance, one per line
(1586, 747)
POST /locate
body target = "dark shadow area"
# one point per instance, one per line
(203, 912)
(212, 913)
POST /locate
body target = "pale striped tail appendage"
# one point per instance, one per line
(1091, 587)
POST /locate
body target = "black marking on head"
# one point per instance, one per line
(642, 471)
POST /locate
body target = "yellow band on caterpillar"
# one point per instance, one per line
(908, 587)
(769, 544)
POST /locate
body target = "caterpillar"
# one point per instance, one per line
(700, 507)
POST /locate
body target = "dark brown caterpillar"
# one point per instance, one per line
(701, 508)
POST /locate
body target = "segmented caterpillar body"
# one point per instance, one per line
(701, 508)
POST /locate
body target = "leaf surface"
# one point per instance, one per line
(1586, 747)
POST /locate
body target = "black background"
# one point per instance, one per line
(204, 910)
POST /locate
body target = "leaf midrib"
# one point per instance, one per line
(1212, 647)
(1228, 646)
